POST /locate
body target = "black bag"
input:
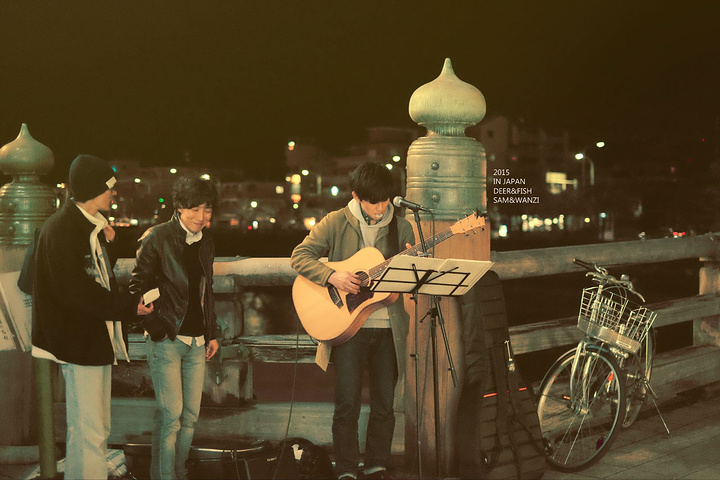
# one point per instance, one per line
(27, 272)
(261, 460)
(295, 458)
(498, 431)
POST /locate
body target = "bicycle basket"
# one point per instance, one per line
(614, 319)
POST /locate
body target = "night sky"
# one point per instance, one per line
(231, 82)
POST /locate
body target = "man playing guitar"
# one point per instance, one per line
(368, 220)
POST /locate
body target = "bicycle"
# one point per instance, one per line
(602, 383)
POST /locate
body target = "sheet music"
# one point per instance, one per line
(460, 277)
(440, 276)
(18, 309)
(7, 339)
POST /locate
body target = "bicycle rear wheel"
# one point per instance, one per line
(638, 369)
(579, 416)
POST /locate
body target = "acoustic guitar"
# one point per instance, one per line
(334, 316)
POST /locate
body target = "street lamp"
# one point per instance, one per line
(581, 157)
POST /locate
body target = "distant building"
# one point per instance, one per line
(536, 159)
(533, 179)
(528, 151)
(319, 180)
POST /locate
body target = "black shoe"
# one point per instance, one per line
(380, 474)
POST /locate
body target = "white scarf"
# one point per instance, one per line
(370, 232)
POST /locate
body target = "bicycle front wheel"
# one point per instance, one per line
(580, 415)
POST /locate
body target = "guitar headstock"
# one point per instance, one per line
(472, 222)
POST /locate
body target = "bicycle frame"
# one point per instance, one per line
(581, 401)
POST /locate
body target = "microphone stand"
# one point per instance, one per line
(436, 319)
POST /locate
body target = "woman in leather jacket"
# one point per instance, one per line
(176, 258)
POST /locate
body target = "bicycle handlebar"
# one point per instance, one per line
(601, 276)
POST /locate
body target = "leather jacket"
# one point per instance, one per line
(159, 264)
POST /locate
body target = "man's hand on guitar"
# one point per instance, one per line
(345, 281)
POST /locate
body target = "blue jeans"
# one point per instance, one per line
(178, 373)
(370, 348)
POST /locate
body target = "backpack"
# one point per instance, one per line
(498, 431)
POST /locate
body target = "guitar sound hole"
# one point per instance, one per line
(364, 279)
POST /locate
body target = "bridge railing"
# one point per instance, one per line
(674, 371)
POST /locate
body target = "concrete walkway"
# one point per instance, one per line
(644, 451)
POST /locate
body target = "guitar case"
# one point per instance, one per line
(498, 431)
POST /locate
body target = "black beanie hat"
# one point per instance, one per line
(89, 177)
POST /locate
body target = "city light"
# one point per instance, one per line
(60, 185)
(255, 224)
(389, 166)
(291, 145)
(114, 206)
(503, 231)
(295, 197)
(295, 206)
(600, 144)
(272, 220)
(305, 173)
(161, 199)
(309, 222)
(334, 190)
(295, 179)
(579, 156)
(253, 204)
(205, 176)
(136, 180)
(173, 170)
(279, 189)
(396, 158)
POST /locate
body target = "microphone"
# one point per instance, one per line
(401, 202)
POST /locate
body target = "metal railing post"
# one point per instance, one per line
(25, 204)
(706, 331)
(446, 173)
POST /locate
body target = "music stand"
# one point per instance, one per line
(435, 277)
(430, 276)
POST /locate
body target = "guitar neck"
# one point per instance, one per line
(414, 250)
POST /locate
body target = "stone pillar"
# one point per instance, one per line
(446, 172)
(25, 204)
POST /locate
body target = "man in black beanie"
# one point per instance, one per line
(77, 311)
